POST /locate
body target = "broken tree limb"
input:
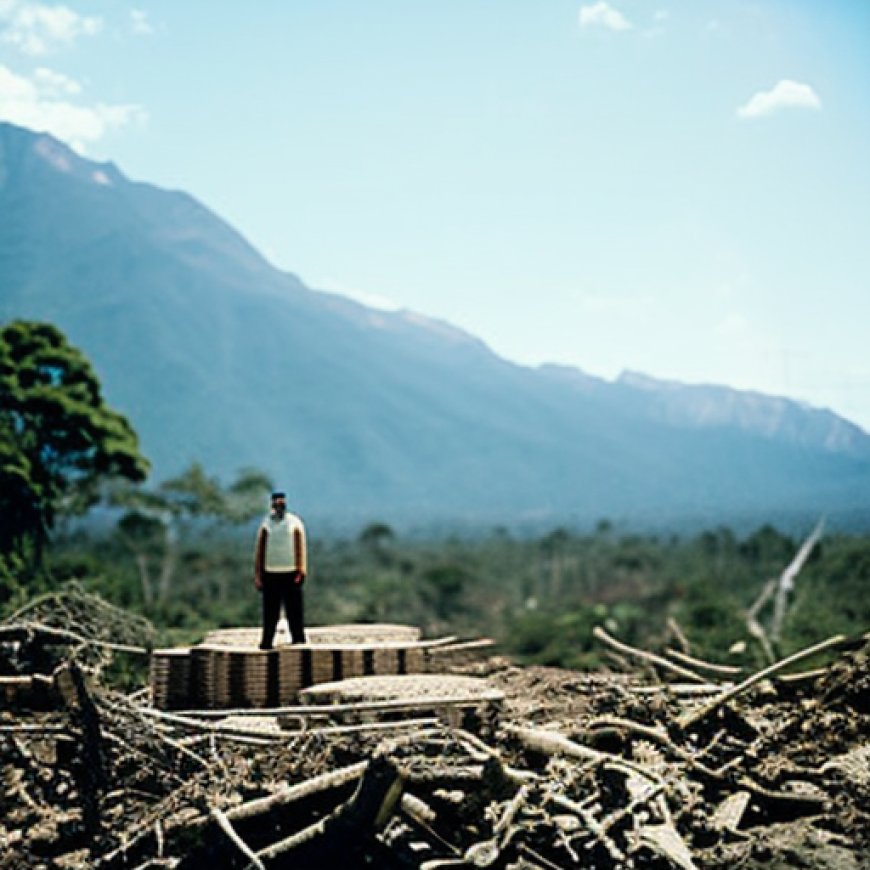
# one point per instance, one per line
(630, 809)
(591, 824)
(481, 751)
(464, 645)
(652, 658)
(536, 860)
(753, 624)
(800, 799)
(29, 728)
(210, 727)
(803, 676)
(721, 670)
(510, 811)
(785, 583)
(779, 589)
(691, 718)
(226, 826)
(552, 743)
(24, 629)
(418, 809)
(444, 864)
(422, 815)
(656, 734)
(290, 794)
(678, 633)
(679, 689)
(90, 769)
(368, 810)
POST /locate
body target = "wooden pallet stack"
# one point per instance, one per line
(227, 670)
(170, 677)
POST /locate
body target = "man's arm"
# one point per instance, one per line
(260, 558)
(300, 552)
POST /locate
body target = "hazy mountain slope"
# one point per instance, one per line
(217, 356)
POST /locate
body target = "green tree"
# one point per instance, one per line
(442, 587)
(59, 440)
(376, 539)
(155, 520)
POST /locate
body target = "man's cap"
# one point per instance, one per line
(278, 494)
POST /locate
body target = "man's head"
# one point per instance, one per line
(279, 503)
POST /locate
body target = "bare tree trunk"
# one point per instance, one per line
(785, 586)
(167, 569)
(145, 579)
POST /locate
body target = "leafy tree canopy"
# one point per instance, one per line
(155, 520)
(58, 438)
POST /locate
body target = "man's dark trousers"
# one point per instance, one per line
(281, 588)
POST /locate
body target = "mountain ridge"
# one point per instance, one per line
(217, 356)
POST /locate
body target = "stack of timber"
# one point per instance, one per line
(227, 670)
(170, 676)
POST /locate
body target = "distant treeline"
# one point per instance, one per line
(538, 597)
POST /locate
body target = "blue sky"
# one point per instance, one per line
(677, 188)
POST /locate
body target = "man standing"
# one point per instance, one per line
(280, 566)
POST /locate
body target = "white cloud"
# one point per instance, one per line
(36, 28)
(603, 15)
(785, 94)
(44, 102)
(54, 84)
(140, 23)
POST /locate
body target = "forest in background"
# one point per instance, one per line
(538, 597)
(180, 552)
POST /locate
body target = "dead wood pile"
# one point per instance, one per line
(682, 765)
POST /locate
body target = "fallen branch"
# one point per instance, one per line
(656, 734)
(592, 825)
(25, 629)
(652, 658)
(210, 727)
(27, 728)
(754, 626)
(226, 826)
(678, 689)
(422, 815)
(290, 794)
(803, 676)
(552, 743)
(687, 720)
(368, 809)
(785, 584)
(679, 634)
(722, 670)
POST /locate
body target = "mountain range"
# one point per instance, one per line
(216, 356)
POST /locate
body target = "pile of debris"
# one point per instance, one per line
(677, 764)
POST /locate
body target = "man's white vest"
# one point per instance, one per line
(282, 553)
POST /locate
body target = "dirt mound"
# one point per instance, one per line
(571, 770)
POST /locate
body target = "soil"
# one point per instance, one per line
(547, 768)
